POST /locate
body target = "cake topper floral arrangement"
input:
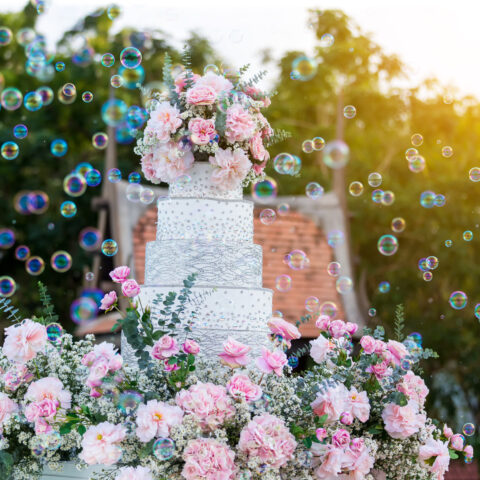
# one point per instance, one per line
(185, 416)
(216, 118)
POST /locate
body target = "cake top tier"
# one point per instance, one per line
(197, 183)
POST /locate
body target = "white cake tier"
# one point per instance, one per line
(216, 313)
(197, 183)
(230, 221)
(214, 262)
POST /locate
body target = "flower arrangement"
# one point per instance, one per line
(181, 416)
(215, 118)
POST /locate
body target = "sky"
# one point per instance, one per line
(434, 38)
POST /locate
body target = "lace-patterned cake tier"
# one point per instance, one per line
(230, 221)
(231, 265)
(197, 183)
(216, 313)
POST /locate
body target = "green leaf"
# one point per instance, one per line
(453, 454)
(307, 442)
(64, 429)
(81, 429)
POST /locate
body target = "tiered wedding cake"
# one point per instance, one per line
(208, 231)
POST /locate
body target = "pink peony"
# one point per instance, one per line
(201, 95)
(181, 80)
(164, 348)
(120, 274)
(170, 367)
(359, 404)
(331, 402)
(170, 163)
(130, 288)
(437, 450)
(266, 437)
(164, 120)
(368, 344)
(134, 473)
(341, 438)
(380, 370)
(279, 326)
(42, 427)
(97, 373)
(217, 82)
(319, 348)
(7, 407)
(148, 168)
(398, 350)
(351, 328)
(208, 459)
(108, 301)
(337, 328)
(191, 346)
(413, 387)
(202, 131)
(257, 95)
(24, 340)
(231, 168)
(346, 418)
(240, 125)
(235, 354)
(209, 404)
(49, 388)
(240, 386)
(155, 419)
(468, 451)
(358, 460)
(331, 463)
(272, 361)
(321, 434)
(457, 442)
(402, 422)
(257, 149)
(100, 444)
(322, 322)
(104, 351)
(448, 432)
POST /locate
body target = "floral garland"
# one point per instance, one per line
(185, 417)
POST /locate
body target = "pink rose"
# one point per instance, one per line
(257, 148)
(217, 82)
(170, 162)
(51, 388)
(359, 404)
(380, 347)
(170, 367)
(341, 438)
(358, 460)
(331, 402)
(457, 442)
(95, 393)
(48, 408)
(120, 274)
(413, 387)
(164, 348)
(321, 434)
(148, 168)
(191, 346)
(380, 370)
(346, 418)
(164, 120)
(323, 321)
(130, 288)
(258, 95)
(351, 328)
(398, 350)
(448, 432)
(239, 124)
(368, 344)
(437, 450)
(235, 354)
(134, 473)
(24, 340)
(154, 419)
(332, 464)
(468, 451)
(258, 169)
(42, 427)
(202, 131)
(231, 168)
(88, 359)
(279, 326)
(320, 347)
(101, 444)
(7, 407)
(15, 377)
(108, 301)
(97, 373)
(402, 422)
(272, 361)
(201, 95)
(357, 445)
(240, 386)
(337, 328)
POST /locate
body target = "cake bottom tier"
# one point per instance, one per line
(69, 471)
(216, 313)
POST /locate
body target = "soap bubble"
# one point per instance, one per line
(147, 196)
(64, 98)
(398, 225)
(318, 143)
(83, 309)
(284, 163)
(283, 209)
(20, 131)
(448, 243)
(327, 40)
(468, 429)
(411, 153)
(349, 111)
(297, 260)
(61, 261)
(377, 195)
(468, 235)
(344, 285)
(116, 81)
(54, 333)
(211, 68)
(335, 238)
(264, 190)
(37, 447)
(384, 287)
(114, 11)
(74, 185)
(114, 175)
(132, 77)
(109, 247)
(427, 199)
(458, 300)
(134, 177)
(47, 95)
(114, 112)
(416, 139)
(329, 309)
(304, 68)
(35, 265)
(474, 174)
(60, 66)
(133, 192)
(59, 147)
(427, 276)
(293, 361)
(283, 283)
(417, 164)
(5, 36)
(22, 252)
(33, 101)
(130, 57)
(7, 238)
(128, 401)
(336, 154)
(93, 178)
(9, 150)
(388, 198)
(307, 146)
(90, 239)
(38, 202)
(439, 200)
(89, 276)
(432, 262)
(372, 312)
(25, 36)
(68, 209)
(314, 191)
(69, 90)
(447, 151)
(11, 98)
(333, 269)
(100, 140)
(7, 286)
(422, 264)
(387, 245)
(375, 179)
(356, 189)
(163, 449)
(268, 216)
(87, 96)
(312, 304)
(108, 60)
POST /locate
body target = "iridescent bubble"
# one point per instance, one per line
(375, 179)
(5, 36)
(7, 238)
(356, 189)
(388, 198)
(327, 40)
(447, 151)
(304, 68)
(33, 101)
(384, 287)
(35, 265)
(349, 111)
(133, 192)
(69, 90)
(293, 361)
(210, 68)
(440, 200)
(377, 195)
(411, 153)
(89, 276)
(54, 333)
(60, 66)
(59, 147)
(427, 199)
(336, 154)
(314, 191)
(283, 283)
(87, 96)
(114, 175)
(427, 276)
(344, 285)
(448, 243)
(108, 60)
(11, 98)
(25, 36)
(422, 264)
(267, 216)
(74, 185)
(38, 202)
(458, 300)
(417, 164)
(398, 224)
(307, 146)
(100, 140)
(37, 447)
(333, 269)
(9, 150)
(432, 262)
(130, 57)
(134, 177)
(147, 196)
(114, 11)
(116, 81)
(312, 304)
(114, 112)
(128, 401)
(20, 131)
(22, 252)
(468, 429)
(47, 95)
(264, 190)
(284, 163)
(372, 312)
(468, 235)
(68, 209)
(61, 261)
(109, 247)
(406, 364)
(132, 77)
(283, 209)
(90, 239)
(387, 245)
(335, 238)
(7, 286)
(416, 139)
(329, 309)
(83, 309)
(318, 143)
(474, 174)
(93, 178)
(297, 260)
(163, 449)
(53, 441)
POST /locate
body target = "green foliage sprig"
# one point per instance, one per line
(279, 135)
(399, 322)
(7, 307)
(48, 311)
(168, 79)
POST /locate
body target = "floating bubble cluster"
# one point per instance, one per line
(297, 260)
(287, 164)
